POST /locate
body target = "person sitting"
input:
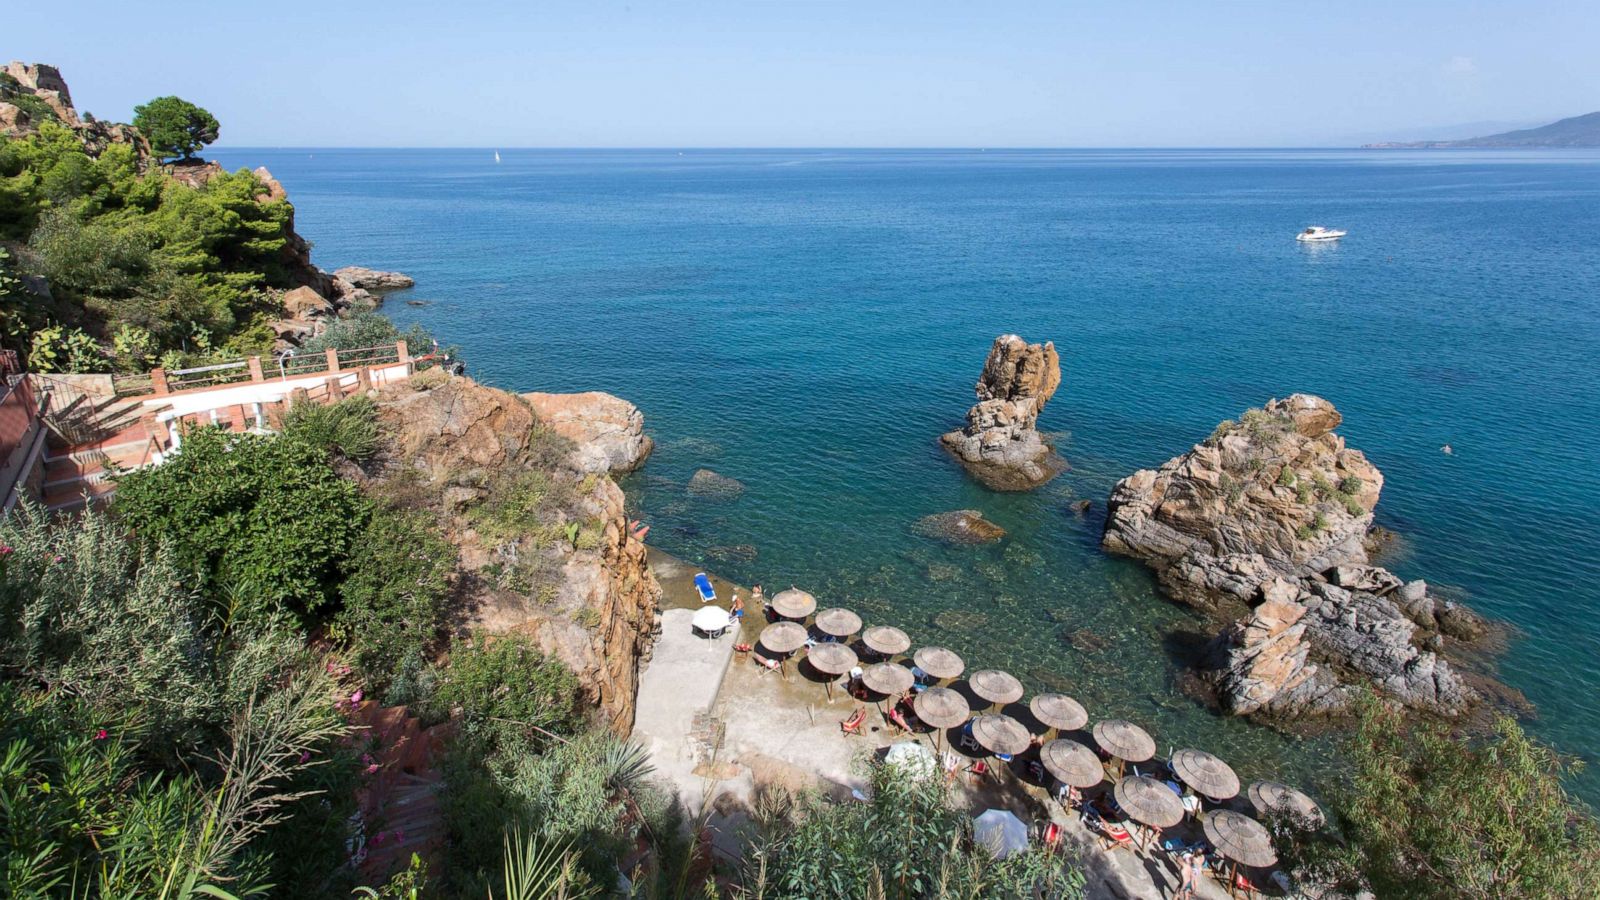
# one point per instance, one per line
(854, 685)
(898, 719)
(1069, 796)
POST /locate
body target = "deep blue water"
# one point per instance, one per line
(809, 321)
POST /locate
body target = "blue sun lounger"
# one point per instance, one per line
(702, 583)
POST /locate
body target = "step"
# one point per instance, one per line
(98, 450)
(72, 495)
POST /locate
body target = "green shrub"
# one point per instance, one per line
(907, 842)
(349, 427)
(260, 515)
(1286, 477)
(1350, 484)
(393, 596)
(503, 686)
(1429, 813)
(367, 328)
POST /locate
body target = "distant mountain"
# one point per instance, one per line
(1578, 131)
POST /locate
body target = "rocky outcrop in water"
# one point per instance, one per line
(714, 485)
(1000, 444)
(607, 432)
(1270, 515)
(374, 280)
(962, 527)
(460, 449)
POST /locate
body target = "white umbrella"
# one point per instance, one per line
(710, 618)
(1000, 832)
(914, 757)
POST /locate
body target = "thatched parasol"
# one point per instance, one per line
(1269, 797)
(1124, 740)
(1149, 801)
(1058, 711)
(941, 707)
(1000, 734)
(995, 686)
(938, 662)
(831, 659)
(887, 678)
(1072, 763)
(1205, 773)
(1239, 837)
(886, 639)
(783, 637)
(838, 622)
(793, 604)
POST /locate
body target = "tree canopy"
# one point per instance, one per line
(175, 127)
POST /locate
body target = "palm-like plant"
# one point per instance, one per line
(535, 870)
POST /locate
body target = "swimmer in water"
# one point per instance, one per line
(1447, 450)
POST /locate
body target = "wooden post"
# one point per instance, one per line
(333, 359)
(364, 379)
(255, 369)
(401, 349)
(158, 380)
(154, 430)
(335, 392)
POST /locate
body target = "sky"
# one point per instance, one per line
(819, 73)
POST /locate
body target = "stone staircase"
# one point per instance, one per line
(86, 442)
(400, 801)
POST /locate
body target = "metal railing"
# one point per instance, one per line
(229, 372)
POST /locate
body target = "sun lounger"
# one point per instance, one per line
(702, 584)
(853, 724)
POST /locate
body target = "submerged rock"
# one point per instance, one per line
(1000, 444)
(706, 483)
(608, 431)
(964, 527)
(1271, 513)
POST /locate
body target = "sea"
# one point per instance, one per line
(808, 322)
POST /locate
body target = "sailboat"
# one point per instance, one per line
(497, 156)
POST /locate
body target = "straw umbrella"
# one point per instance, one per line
(1207, 774)
(1000, 735)
(783, 638)
(886, 640)
(995, 686)
(938, 662)
(1072, 763)
(1125, 741)
(1058, 711)
(1149, 802)
(888, 679)
(793, 604)
(1240, 839)
(839, 623)
(1269, 797)
(941, 708)
(831, 659)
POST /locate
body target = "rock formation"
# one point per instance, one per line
(374, 280)
(607, 431)
(962, 527)
(1000, 445)
(714, 485)
(44, 88)
(459, 447)
(1270, 514)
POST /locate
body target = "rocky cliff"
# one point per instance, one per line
(1000, 444)
(34, 93)
(545, 549)
(1266, 520)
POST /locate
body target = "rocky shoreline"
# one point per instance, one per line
(1265, 525)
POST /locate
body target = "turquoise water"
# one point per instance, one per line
(809, 322)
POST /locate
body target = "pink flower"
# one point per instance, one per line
(101, 735)
(366, 758)
(5, 550)
(356, 697)
(61, 559)
(372, 769)
(379, 838)
(305, 757)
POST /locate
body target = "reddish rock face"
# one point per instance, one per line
(595, 601)
(607, 432)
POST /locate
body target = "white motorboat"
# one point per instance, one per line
(1318, 233)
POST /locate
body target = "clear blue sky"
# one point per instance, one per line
(581, 73)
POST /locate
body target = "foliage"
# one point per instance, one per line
(262, 516)
(397, 579)
(86, 613)
(408, 884)
(175, 127)
(349, 427)
(58, 349)
(906, 842)
(1431, 814)
(367, 328)
(124, 247)
(505, 685)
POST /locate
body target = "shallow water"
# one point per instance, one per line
(809, 322)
